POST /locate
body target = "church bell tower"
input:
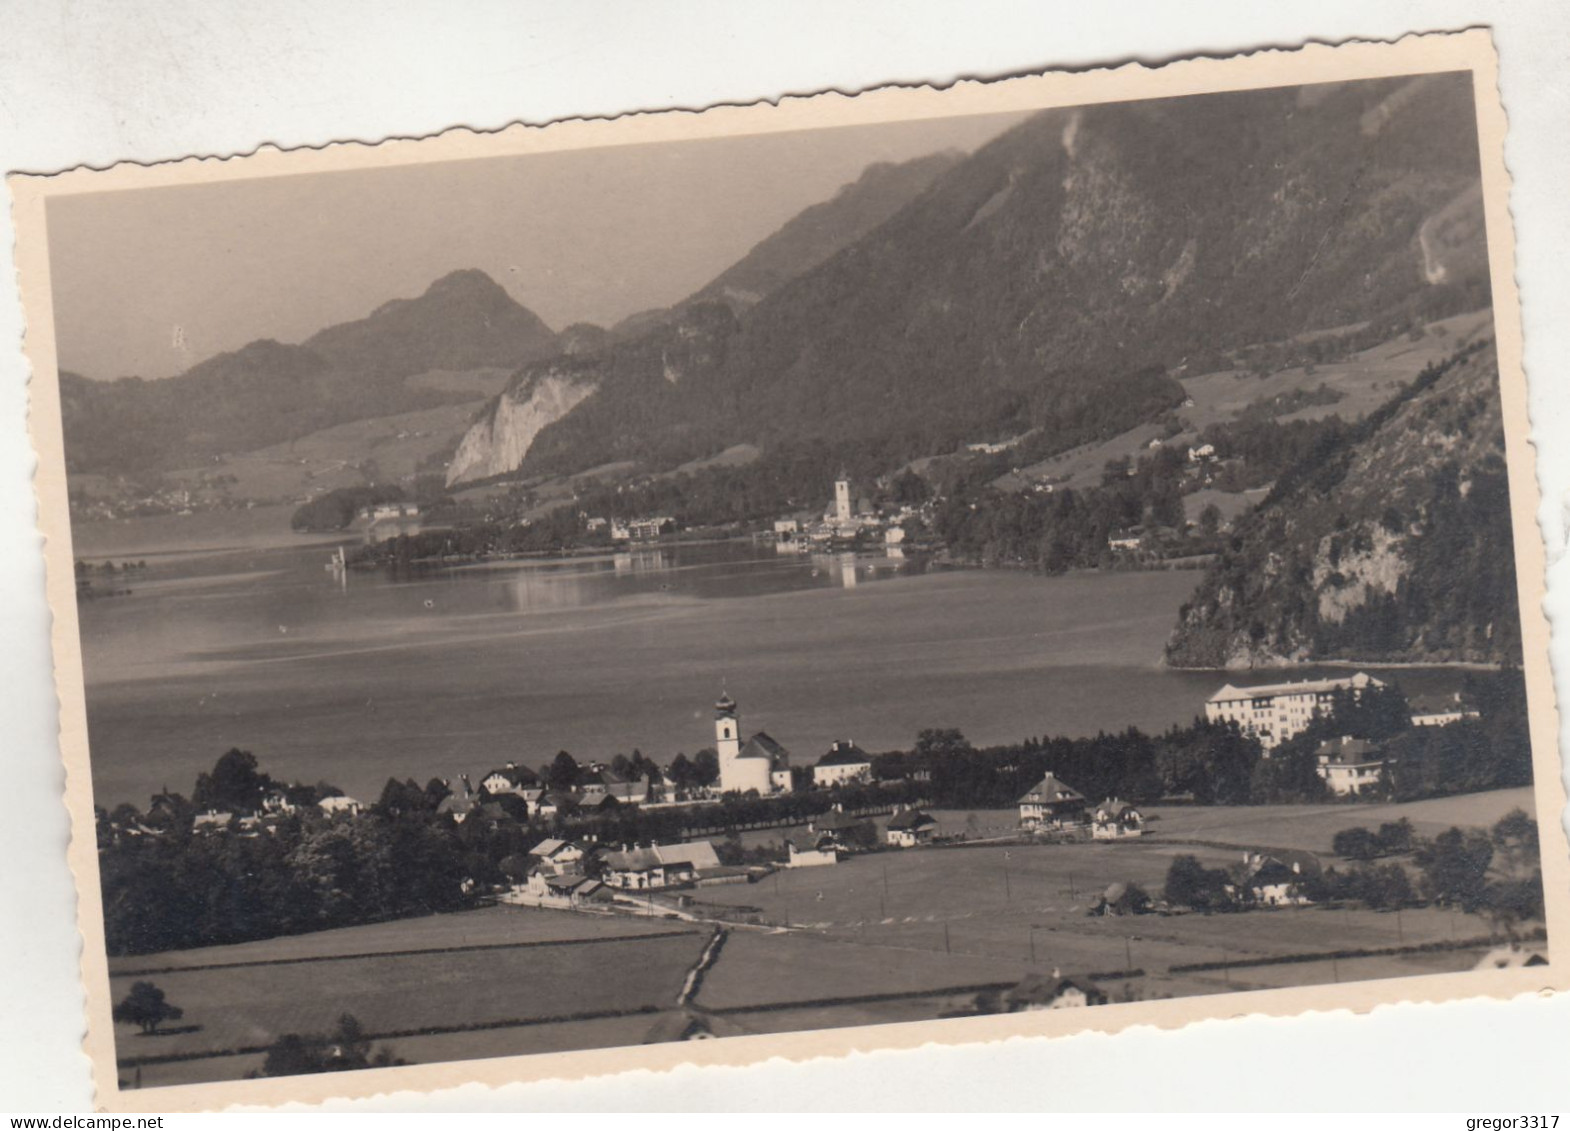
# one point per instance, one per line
(727, 735)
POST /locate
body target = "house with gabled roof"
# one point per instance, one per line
(845, 762)
(557, 853)
(909, 828)
(1350, 765)
(1114, 819)
(1055, 991)
(811, 850)
(1278, 877)
(511, 778)
(1051, 803)
(460, 803)
(847, 832)
(658, 866)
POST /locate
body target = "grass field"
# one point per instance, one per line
(1311, 827)
(938, 918)
(247, 996)
(487, 926)
(921, 927)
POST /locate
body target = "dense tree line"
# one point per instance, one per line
(1495, 872)
(337, 508)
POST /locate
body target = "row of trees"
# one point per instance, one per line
(1496, 872)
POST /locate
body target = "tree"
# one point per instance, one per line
(1190, 884)
(234, 786)
(706, 767)
(1210, 520)
(682, 774)
(1514, 836)
(1355, 844)
(1395, 837)
(1455, 867)
(346, 1049)
(146, 1006)
(562, 773)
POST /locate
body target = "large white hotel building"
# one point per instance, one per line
(1274, 712)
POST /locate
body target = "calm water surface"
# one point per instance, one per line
(460, 669)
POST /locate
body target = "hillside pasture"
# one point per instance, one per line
(1364, 381)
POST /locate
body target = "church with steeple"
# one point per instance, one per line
(760, 763)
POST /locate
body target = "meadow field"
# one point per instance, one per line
(504, 972)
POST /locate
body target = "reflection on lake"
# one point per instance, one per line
(457, 669)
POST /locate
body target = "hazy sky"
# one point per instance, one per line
(150, 282)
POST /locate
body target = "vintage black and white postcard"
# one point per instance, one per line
(1034, 556)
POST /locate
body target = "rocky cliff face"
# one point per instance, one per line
(1396, 545)
(498, 442)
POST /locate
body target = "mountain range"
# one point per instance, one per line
(1051, 282)
(267, 391)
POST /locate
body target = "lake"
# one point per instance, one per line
(458, 670)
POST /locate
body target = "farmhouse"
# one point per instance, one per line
(1276, 878)
(1349, 765)
(1036, 992)
(559, 854)
(909, 828)
(845, 832)
(598, 783)
(1050, 804)
(845, 762)
(659, 866)
(1114, 819)
(811, 851)
(1274, 712)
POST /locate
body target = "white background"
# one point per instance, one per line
(95, 83)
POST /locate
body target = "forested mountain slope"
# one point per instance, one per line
(1053, 280)
(1395, 544)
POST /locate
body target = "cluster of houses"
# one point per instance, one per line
(573, 874)
(848, 518)
(1052, 806)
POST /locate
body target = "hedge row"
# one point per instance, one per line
(1368, 952)
(396, 1034)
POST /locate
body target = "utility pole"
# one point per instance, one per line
(1400, 933)
(1008, 895)
(1128, 953)
(946, 949)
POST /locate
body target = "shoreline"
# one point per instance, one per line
(1392, 665)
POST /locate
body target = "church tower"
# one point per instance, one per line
(727, 737)
(842, 499)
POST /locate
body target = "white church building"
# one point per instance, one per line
(760, 764)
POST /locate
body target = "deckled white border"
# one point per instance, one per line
(946, 112)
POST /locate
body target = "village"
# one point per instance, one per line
(849, 812)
